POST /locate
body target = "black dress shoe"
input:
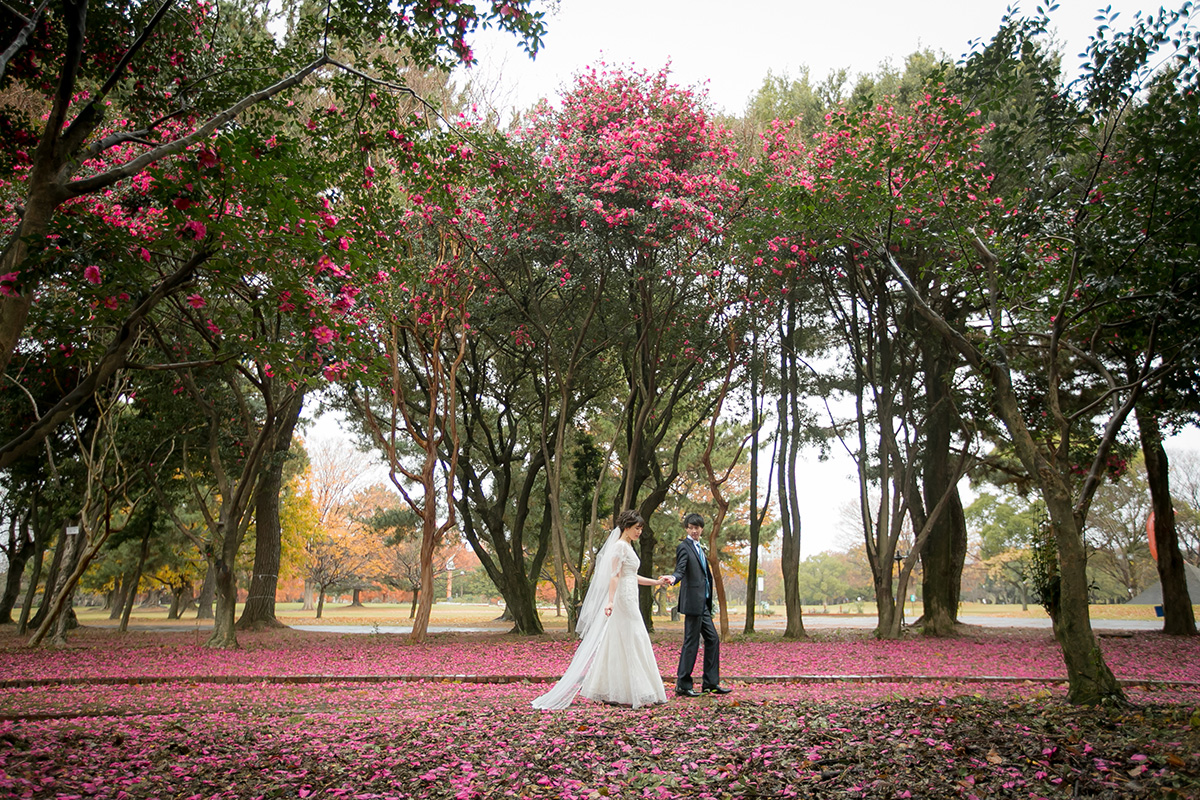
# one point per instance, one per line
(718, 690)
(686, 693)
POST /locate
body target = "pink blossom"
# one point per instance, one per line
(92, 275)
(193, 229)
(323, 334)
(196, 301)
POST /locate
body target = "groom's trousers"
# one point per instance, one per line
(695, 628)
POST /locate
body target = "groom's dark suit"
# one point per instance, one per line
(695, 603)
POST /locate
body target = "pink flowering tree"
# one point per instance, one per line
(406, 397)
(1036, 279)
(907, 420)
(639, 180)
(108, 92)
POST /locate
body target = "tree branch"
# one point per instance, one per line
(94, 182)
(114, 358)
(22, 35)
(93, 113)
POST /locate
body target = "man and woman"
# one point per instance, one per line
(614, 662)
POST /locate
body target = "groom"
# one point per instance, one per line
(695, 603)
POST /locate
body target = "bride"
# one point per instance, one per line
(615, 662)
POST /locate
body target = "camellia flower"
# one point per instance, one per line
(92, 275)
(196, 301)
(193, 230)
(323, 334)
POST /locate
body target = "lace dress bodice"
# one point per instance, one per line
(626, 596)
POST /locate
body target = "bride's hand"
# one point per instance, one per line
(608, 610)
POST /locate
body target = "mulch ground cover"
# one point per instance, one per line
(370, 716)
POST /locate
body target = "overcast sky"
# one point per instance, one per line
(729, 47)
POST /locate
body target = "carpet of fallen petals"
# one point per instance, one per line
(198, 732)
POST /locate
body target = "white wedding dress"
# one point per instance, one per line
(615, 660)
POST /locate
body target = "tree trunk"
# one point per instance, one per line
(56, 567)
(136, 577)
(320, 602)
(224, 633)
(20, 548)
(1179, 617)
(412, 609)
(356, 598)
(61, 605)
(39, 557)
(429, 542)
(945, 551)
(647, 546)
(264, 580)
(755, 522)
(788, 501)
(1090, 679)
(204, 603)
(178, 600)
(520, 603)
(123, 591)
(310, 595)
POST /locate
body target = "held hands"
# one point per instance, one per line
(665, 580)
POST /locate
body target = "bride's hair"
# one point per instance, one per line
(627, 519)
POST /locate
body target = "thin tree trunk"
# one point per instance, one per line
(61, 608)
(20, 548)
(56, 567)
(788, 502)
(39, 557)
(1179, 617)
(137, 572)
(224, 633)
(755, 526)
(204, 603)
(116, 598)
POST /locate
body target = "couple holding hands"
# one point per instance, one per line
(615, 661)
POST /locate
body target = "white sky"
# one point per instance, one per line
(730, 46)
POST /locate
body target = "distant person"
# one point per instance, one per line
(695, 603)
(615, 661)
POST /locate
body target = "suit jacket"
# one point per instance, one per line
(693, 579)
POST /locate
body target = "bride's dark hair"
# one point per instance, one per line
(627, 519)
